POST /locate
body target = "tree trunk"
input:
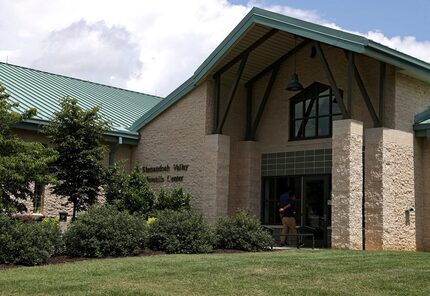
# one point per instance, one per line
(74, 212)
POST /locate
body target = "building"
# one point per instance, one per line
(353, 143)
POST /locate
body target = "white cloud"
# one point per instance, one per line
(96, 52)
(149, 46)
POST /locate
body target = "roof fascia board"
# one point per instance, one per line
(422, 130)
(420, 117)
(225, 45)
(397, 59)
(315, 32)
(421, 126)
(37, 125)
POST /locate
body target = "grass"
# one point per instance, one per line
(296, 272)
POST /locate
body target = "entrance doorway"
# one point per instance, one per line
(313, 208)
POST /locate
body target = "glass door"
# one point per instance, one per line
(316, 209)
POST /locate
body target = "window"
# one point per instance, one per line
(312, 113)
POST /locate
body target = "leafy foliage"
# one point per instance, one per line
(105, 231)
(242, 232)
(21, 162)
(176, 199)
(28, 243)
(77, 135)
(180, 232)
(129, 192)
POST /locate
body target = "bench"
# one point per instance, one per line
(302, 231)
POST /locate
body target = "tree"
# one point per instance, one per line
(78, 135)
(21, 162)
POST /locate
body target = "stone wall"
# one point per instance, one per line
(51, 204)
(422, 209)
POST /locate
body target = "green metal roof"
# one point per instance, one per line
(43, 91)
(298, 27)
(422, 124)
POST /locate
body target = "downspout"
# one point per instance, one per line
(363, 209)
(113, 150)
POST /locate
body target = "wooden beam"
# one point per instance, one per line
(278, 62)
(264, 101)
(351, 63)
(332, 81)
(247, 51)
(232, 93)
(366, 98)
(248, 132)
(216, 94)
(382, 70)
(365, 95)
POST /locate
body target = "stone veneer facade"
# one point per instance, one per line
(389, 190)
(224, 171)
(347, 182)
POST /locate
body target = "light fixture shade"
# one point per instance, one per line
(294, 85)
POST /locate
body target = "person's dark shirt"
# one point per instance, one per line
(284, 200)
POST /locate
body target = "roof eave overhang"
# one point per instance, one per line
(340, 39)
(422, 130)
(122, 137)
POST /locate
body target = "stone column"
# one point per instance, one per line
(245, 177)
(347, 181)
(216, 179)
(389, 190)
(423, 201)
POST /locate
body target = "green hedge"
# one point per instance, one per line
(105, 231)
(182, 231)
(242, 232)
(28, 243)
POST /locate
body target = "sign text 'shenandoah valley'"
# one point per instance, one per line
(165, 168)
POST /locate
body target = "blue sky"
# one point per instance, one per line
(153, 46)
(393, 18)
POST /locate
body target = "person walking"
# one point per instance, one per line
(287, 211)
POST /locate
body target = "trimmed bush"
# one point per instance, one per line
(28, 243)
(178, 232)
(105, 231)
(176, 200)
(242, 232)
(129, 192)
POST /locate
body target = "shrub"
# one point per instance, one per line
(129, 192)
(54, 234)
(242, 232)
(180, 232)
(176, 199)
(105, 231)
(28, 243)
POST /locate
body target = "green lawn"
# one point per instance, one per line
(296, 272)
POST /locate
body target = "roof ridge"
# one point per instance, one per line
(79, 79)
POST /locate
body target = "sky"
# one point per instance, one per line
(153, 46)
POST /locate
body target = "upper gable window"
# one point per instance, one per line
(312, 112)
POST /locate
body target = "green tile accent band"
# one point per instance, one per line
(307, 162)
